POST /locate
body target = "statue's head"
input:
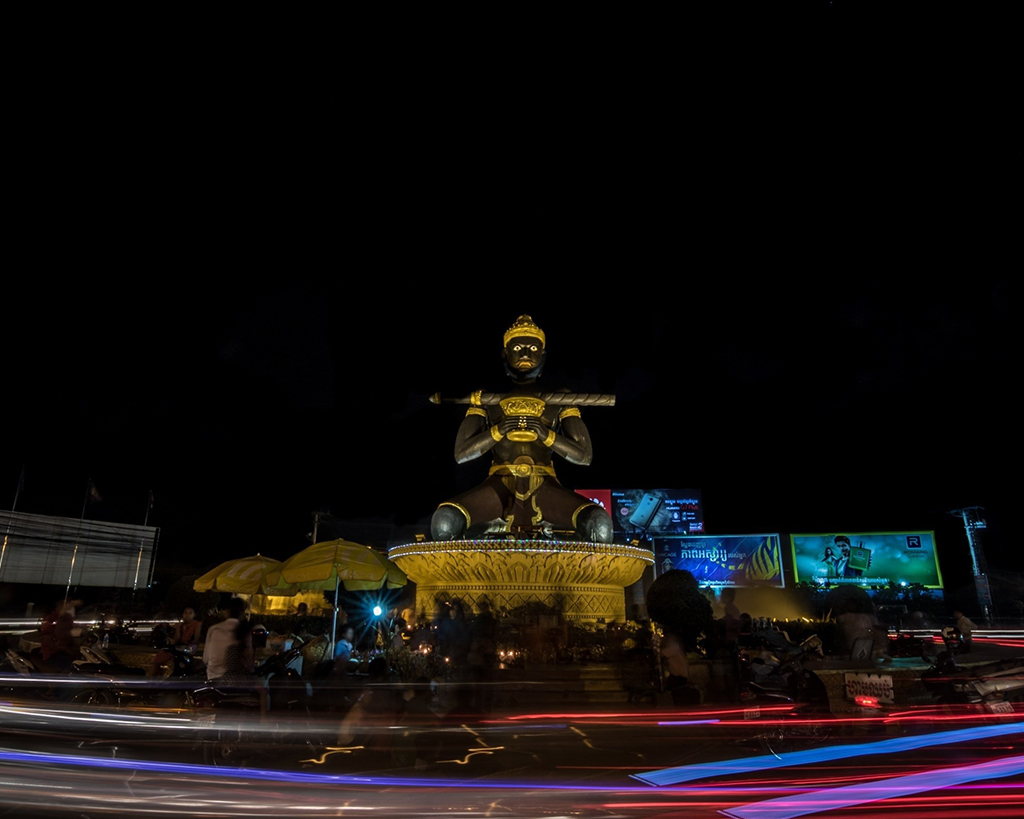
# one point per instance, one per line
(524, 351)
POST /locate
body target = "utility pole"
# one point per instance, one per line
(973, 518)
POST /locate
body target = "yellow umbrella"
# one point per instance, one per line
(243, 575)
(331, 564)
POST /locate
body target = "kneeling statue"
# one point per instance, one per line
(523, 430)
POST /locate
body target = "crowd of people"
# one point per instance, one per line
(463, 640)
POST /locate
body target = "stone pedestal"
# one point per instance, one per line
(584, 581)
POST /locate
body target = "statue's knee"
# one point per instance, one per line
(595, 524)
(447, 523)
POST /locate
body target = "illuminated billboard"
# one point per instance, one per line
(639, 512)
(45, 550)
(717, 561)
(866, 558)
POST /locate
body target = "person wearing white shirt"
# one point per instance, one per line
(219, 637)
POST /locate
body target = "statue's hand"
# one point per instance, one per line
(507, 424)
(536, 425)
(523, 423)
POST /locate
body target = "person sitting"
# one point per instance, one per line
(58, 644)
(343, 650)
(185, 633)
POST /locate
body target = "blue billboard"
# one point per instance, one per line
(717, 561)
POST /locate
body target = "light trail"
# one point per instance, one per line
(689, 773)
(801, 804)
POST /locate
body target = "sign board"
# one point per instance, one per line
(650, 512)
(718, 561)
(866, 559)
(878, 686)
(46, 550)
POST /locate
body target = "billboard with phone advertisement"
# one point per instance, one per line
(717, 561)
(866, 558)
(651, 512)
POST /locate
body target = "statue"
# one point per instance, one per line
(523, 430)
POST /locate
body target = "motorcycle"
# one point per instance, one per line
(93, 679)
(773, 670)
(231, 728)
(774, 680)
(993, 687)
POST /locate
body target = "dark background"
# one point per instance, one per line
(237, 288)
(247, 410)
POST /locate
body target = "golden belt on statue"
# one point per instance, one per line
(521, 470)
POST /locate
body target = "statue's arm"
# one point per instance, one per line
(572, 441)
(474, 437)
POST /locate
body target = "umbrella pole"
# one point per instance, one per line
(334, 623)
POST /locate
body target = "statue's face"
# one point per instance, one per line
(523, 354)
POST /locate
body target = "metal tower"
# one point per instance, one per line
(974, 519)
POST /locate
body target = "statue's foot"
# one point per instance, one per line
(595, 524)
(447, 523)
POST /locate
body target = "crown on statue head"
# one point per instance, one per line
(524, 327)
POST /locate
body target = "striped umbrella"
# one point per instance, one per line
(243, 575)
(331, 564)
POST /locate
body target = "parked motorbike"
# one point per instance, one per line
(773, 672)
(93, 679)
(993, 686)
(230, 723)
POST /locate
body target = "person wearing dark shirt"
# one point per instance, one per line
(58, 643)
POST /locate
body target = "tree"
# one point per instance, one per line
(676, 603)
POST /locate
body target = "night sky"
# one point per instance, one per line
(792, 285)
(792, 408)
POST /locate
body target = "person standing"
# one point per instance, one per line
(58, 636)
(454, 647)
(220, 636)
(676, 669)
(483, 656)
(967, 627)
(234, 658)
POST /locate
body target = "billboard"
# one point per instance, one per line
(39, 549)
(638, 512)
(717, 561)
(866, 558)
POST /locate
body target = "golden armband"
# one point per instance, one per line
(496, 433)
(550, 440)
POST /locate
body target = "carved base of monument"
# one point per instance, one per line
(585, 581)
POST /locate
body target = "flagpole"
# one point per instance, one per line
(88, 494)
(142, 544)
(14, 506)
(334, 622)
(17, 492)
(81, 520)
